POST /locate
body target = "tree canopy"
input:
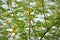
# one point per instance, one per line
(29, 19)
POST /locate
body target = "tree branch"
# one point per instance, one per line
(48, 30)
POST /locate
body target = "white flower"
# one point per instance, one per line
(4, 1)
(5, 6)
(4, 24)
(20, 19)
(54, 27)
(9, 30)
(32, 4)
(19, 0)
(13, 4)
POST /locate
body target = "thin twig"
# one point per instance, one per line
(48, 30)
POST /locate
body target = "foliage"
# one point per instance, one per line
(30, 19)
